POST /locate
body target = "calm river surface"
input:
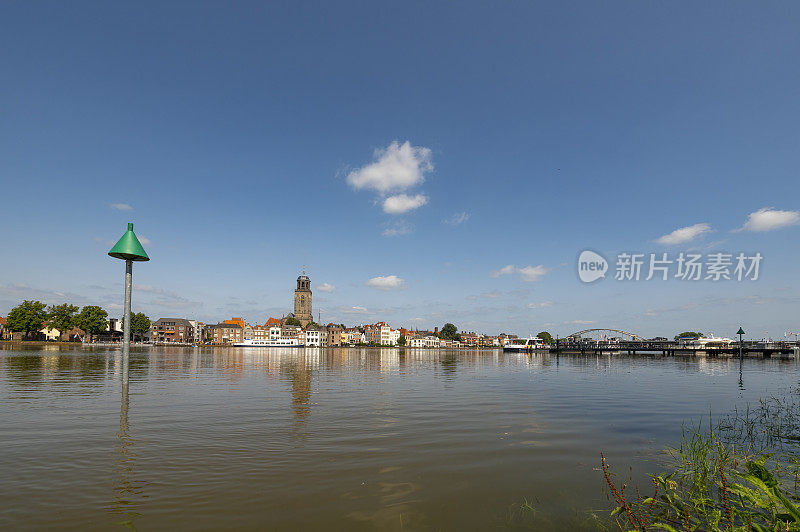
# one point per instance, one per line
(341, 439)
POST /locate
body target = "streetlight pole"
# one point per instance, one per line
(129, 249)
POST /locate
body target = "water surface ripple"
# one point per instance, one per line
(340, 439)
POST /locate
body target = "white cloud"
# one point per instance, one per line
(532, 273)
(144, 240)
(355, 310)
(402, 203)
(581, 322)
(457, 219)
(684, 234)
(505, 270)
(398, 229)
(148, 288)
(769, 219)
(543, 304)
(121, 206)
(397, 167)
(389, 282)
(325, 287)
(527, 273)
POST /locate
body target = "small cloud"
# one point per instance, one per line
(494, 294)
(457, 219)
(148, 288)
(397, 167)
(352, 310)
(684, 234)
(543, 304)
(527, 273)
(398, 229)
(769, 219)
(403, 203)
(121, 207)
(505, 270)
(389, 282)
(325, 287)
(532, 273)
(144, 240)
(581, 322)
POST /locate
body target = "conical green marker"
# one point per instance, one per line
(129, 249)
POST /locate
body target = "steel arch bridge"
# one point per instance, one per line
(605, 334)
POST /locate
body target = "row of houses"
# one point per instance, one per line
(236, 330)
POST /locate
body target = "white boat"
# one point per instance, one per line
(273, 342)
(702, 342)
(519, 345)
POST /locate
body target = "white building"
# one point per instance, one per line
(354, 336)
(274, 332)
(311, 338)
(389, 336)
(424, 341)
(51, 334)
(199, 331)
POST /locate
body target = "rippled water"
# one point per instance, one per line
(341, 439)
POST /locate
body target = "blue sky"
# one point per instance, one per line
(428, 145)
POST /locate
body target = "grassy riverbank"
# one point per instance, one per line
(740, 473)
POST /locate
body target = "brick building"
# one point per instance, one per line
(225, 333)
(172, 330)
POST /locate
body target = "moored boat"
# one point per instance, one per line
(519, 345)
(273, 342)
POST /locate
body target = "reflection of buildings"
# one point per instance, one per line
(301, 391)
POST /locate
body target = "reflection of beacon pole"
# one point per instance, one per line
(128, 249)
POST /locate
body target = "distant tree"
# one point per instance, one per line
(92, 319)
(27, 317)
(292, 321)
(544, 335)
(689, 334)
(140, 324)
(449, 332)
(61, 317)
(401, 341)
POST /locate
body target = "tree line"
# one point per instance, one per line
(32, 316)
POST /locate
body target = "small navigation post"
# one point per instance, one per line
(129, 249)
(740, 333)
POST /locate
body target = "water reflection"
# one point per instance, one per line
(299, 372)
(128, 491)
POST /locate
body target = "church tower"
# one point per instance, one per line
(302, 300)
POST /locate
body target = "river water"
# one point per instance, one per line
(342, 439)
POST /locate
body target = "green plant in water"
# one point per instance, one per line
(701, 494)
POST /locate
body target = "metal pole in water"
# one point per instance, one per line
(740, 333)
(129, 249)
(126, 323)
